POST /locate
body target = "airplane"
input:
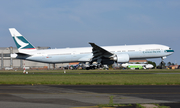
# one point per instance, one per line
(104, 55)
(137, 66)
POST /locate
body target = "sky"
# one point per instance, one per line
(75, 23)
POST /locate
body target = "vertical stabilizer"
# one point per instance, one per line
(21, 42)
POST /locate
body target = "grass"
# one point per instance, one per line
(96, 71)
(159, 106)
(111, 104)
(103, 78)
(111, 100)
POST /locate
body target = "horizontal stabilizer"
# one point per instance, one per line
(22, 54)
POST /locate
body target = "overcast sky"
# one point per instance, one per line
(74, 23)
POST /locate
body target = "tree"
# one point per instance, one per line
(169, 64)
(153, 63)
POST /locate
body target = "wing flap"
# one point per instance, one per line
(99, 49)
(99, 52)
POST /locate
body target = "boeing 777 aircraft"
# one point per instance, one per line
(95, 53)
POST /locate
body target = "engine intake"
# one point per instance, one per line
(121, 58)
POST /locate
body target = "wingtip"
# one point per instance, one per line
(11, 28)
(91, 43)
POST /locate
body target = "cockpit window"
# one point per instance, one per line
(170, 48)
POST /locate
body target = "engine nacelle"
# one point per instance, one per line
(121, 58)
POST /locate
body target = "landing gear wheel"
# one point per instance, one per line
(162, 65)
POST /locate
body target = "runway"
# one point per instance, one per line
(69, 96)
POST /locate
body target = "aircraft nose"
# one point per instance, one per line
(170, 51)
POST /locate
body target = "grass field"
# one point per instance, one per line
(91, 77)
(96, 71)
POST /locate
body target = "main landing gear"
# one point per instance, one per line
(162, 64)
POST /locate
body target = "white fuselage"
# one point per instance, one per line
(84, 54)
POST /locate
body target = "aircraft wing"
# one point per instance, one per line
(99, 52)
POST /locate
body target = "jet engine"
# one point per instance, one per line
(121, 58)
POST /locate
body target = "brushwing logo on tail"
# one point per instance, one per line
(19, 43)
(22, 43)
